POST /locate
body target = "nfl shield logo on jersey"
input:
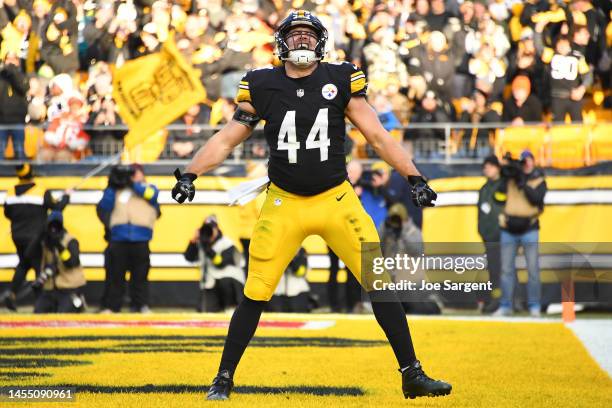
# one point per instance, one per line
(300, 93)
(329, 91)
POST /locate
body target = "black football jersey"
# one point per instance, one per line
(304, 122)
(566, 71)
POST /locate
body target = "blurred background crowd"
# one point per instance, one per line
(427, 61)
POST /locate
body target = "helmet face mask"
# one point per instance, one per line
(300, 39)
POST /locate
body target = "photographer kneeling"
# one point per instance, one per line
(521, 192)
(61, 275)
(222, 277)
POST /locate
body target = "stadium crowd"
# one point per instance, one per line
(428, 61)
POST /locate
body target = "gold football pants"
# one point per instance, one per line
(286, 219)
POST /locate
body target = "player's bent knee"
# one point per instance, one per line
(266, 239)
(257, 289)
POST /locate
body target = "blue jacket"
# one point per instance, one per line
(128, 232)
(389, 121)
(375, 205)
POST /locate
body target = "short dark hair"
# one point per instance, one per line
(492, 159)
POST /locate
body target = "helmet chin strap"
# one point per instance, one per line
(302, 58)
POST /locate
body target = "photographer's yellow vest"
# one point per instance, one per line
(516, 203)
(132, 209)
(66, 278)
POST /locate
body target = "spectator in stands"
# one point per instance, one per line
(222, 278)
(457, 32)
(489, 68)
(488, 227)
(292, 294)
(129, 209)
(40, 16)
(524, 60)
(65, 140)
(591, 15)
(123, 30)
(37, 109)
(438, 17)
(456, 45)
(194, 37)
(521, 193)
(104, 112)
(61, 88)
(569, 72)
(434, 62)
(59, 48)
(479, 110)
(96, 36)
(61, 277)
(522, 106)
(382, 59)
(13, 105)
(430, 110)
(183, 141)
(149, 36)
(421, 10)
(346, 33)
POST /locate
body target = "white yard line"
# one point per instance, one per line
(596, 335)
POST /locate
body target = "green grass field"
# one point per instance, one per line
(136, 364)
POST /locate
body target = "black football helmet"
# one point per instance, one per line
(304, 19)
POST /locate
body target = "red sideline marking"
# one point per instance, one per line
(142, 323)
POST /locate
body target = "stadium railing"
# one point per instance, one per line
(556, 145)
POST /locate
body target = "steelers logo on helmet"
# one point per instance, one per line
(300, 39)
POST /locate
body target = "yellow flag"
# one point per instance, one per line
(154, 90)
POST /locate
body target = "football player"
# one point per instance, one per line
(304, 103)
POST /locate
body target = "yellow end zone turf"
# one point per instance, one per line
(490, 364)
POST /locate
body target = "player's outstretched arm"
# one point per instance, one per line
(365, 119)
(218, 147)
(215, 151)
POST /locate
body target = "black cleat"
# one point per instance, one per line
(10, 301)
(415, 383)
(221, 387)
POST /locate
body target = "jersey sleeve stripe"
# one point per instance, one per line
(244, 83)
(357, 73)
(358, 85)
(243, 87)
(244, 95)
(357, 77)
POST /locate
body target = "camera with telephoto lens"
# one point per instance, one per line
(47, 272)
(513, 169)
(54, 234)
(120, 176)
(206, 234)
(367, 178)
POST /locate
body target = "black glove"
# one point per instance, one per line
(422, 195)
(184, 188)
